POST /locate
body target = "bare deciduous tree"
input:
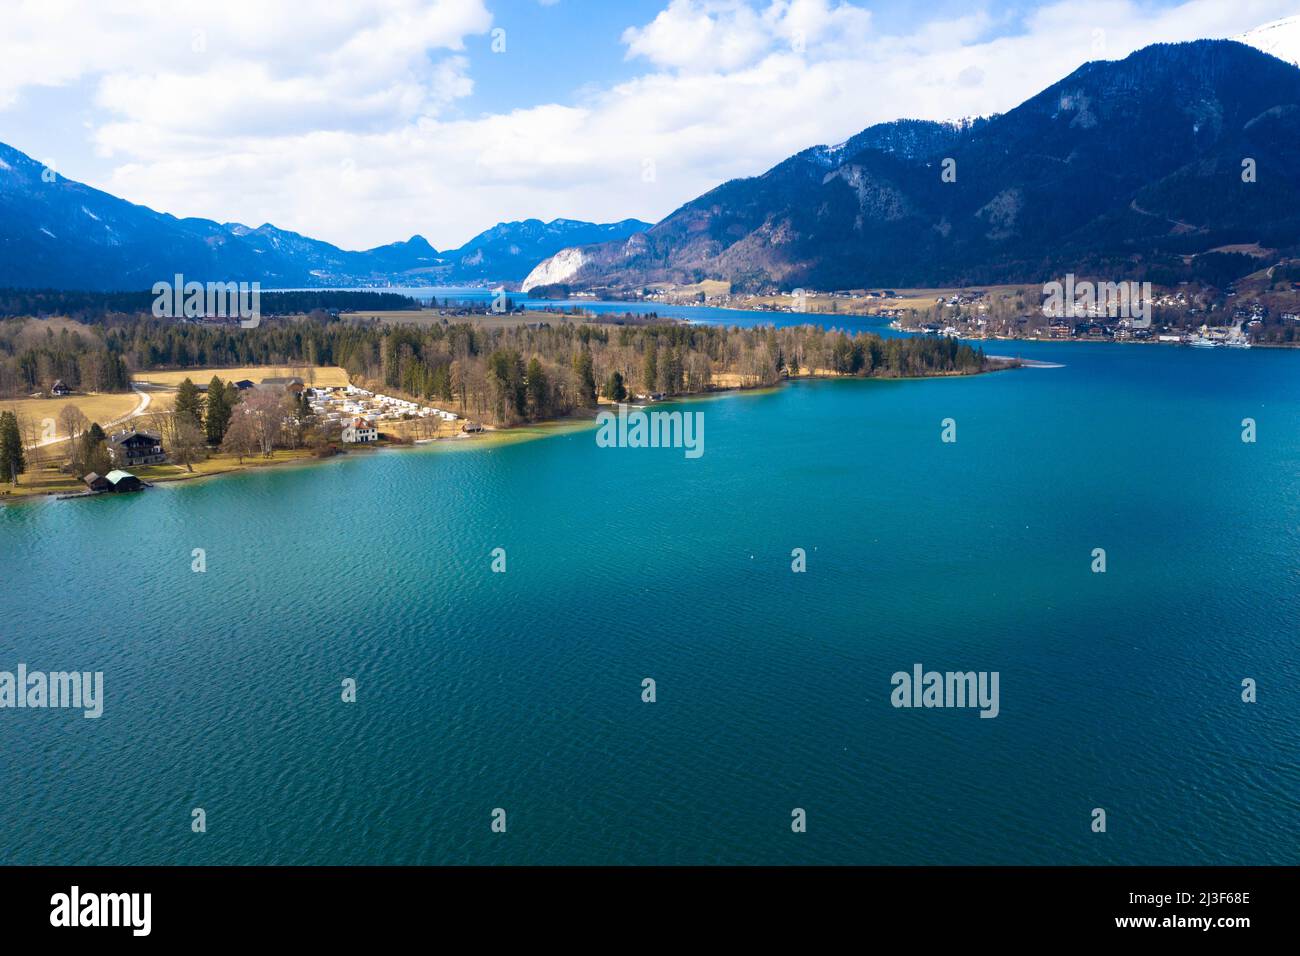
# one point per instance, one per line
(72, 422)
(240, 439)
(266, 413)
(185, 442)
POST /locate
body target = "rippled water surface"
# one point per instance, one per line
(523, 690)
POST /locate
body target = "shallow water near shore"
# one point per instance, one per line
(522, 690)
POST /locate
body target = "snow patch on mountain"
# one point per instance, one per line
(1281, 39)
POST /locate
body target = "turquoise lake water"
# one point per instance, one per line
(522, 690)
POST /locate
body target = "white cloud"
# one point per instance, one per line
(711, 35)
(700, 36)
(342, 125)
(371, 42)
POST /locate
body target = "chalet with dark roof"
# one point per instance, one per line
(136, 447)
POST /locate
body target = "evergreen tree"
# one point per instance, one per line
(585, 370)
(189, 403)
(670, 377)
(92, 453)
(232, 398)
(302, 411)
(614, 388)
(12, 461)
(538, 390)
(218, 412)
(506, 375)
(119, 375)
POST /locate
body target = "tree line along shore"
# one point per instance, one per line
(500, 376)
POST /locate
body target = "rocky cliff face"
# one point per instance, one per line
(556, 270)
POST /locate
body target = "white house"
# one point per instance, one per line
(360, 431)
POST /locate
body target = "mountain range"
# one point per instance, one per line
(1132, 167)
(1141, 168)
(60, 234)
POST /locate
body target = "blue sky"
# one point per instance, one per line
(373, 120)
(530, 75)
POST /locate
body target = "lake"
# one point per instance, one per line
(523, 690)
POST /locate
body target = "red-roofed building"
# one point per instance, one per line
(360, 432)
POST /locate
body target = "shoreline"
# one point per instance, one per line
(1101, 341)
(817, 317)
(491, 436)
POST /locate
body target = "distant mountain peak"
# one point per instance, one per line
(64, 234)
(509, 250)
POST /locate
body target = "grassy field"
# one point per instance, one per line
(159, 402)
(708, 287)
(219, 464)
(96, 407)
(42, 479)
(331, 376)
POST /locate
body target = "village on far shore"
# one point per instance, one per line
(1262, 309)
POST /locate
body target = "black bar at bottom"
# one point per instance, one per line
(340, 904)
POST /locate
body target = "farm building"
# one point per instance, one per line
(282, 383)
(124, 481)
